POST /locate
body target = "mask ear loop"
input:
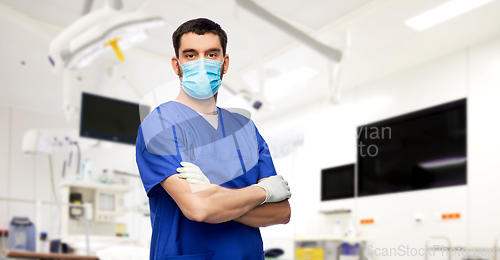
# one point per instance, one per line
(179, 69)
(222, 68)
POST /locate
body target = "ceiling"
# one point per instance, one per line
(371, 33)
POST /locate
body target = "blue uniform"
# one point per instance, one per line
(234, 156)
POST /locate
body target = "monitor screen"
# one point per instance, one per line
(337, 182)
(421, 150)
(110, 119)
(106, 202)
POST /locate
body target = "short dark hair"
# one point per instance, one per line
(199, 26)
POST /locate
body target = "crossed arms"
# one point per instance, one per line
(215, 204)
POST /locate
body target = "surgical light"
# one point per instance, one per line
(97, 32)
(443, 12)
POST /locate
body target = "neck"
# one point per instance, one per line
(205, 106)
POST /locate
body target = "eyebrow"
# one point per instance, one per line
(188, 50)
(214, 50)
(210, 50)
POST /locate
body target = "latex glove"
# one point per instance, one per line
(192, 174)
(276, 189)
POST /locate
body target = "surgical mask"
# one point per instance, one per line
(201, 78)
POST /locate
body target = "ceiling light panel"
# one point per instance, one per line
(443, 12)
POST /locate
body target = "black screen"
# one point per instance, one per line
(337, 182)
(421, 150)
(110, 119)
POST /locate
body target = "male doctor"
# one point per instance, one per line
(208, 172)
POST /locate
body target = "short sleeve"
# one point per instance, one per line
(266, 165)
(157, 157)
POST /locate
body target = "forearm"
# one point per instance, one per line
(205, 202)
(221, 204)
(266, 215)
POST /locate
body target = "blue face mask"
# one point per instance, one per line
(201, 78)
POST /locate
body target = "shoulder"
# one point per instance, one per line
(163, 113)
(157, 126)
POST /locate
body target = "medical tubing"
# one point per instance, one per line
(64, 169)
(79, 157)
(52, 179)
(54, 192)
(69, 159)
(87, 228)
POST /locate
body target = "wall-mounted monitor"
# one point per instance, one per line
(337, 182)
(110, 119)
(420, 150)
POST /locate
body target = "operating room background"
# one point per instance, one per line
(318, 135)
(330, 140)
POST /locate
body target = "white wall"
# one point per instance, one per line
(27, 177)
(483, 143)
(4, 161)
(330, 140)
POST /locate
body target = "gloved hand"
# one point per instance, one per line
(192, 174)
(276, 189)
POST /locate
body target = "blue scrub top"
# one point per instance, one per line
(234, 156)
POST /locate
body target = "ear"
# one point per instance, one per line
(175, 65)
(226, 63)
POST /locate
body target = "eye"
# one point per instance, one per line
(190, 56)
(211, 55)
